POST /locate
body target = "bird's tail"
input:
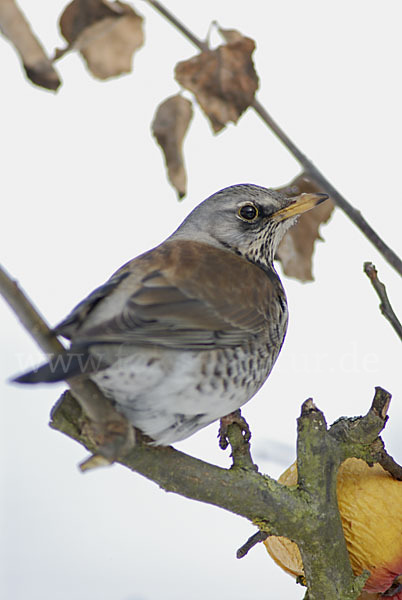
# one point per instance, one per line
(61, 366)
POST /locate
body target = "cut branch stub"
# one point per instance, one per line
(105, 33)
(295, 252)
(169, 126)
(224, 80)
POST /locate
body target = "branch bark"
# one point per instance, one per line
(307, 514)
(309, 169)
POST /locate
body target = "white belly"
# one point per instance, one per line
(170, 394)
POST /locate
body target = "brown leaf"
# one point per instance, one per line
(16, 28)
(169, 126)
(106, 34)
(230, 35)
(296, 249)
(224, 80)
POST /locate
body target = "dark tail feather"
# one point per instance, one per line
(60, 367)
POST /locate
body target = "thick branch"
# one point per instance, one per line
(241, 491)
(385, 306)
(318, 460)
(308, 167)
(307, 514)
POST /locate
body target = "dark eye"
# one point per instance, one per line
(248, 212)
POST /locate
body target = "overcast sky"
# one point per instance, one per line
(84, 190)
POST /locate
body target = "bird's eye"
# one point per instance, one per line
(248, 212)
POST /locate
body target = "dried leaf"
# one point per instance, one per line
(16, 28)
(106, 34)
(296, 249)
(224, 80)
(230, 35)
(169, 126)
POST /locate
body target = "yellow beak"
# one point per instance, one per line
(299, 205)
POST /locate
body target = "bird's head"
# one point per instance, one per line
(247, 219)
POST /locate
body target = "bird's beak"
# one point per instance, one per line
(299, 205)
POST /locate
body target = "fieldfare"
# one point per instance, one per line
(189, 331)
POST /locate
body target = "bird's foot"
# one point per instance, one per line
(233, 417)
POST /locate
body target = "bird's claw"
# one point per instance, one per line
(233, 417)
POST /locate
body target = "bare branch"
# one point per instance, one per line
(308, 167)
(241, 491)
(307, 514)
(28, 315)
(318, 459)
(385, 306)
(360, 436)
(178, 24)
(16, 28)
(110, 431)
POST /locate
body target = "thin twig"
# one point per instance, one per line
(110, 430)
(178, 24)
(28, 315)
(308, 167)
(389, 464)
(385, 306)
(311, 171)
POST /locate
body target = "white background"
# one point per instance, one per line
(83, 190)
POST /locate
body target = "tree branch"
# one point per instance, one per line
(309, 168)
(240, 491)
(318, 460)
(109, 430)
(307, 514)
(385, 306)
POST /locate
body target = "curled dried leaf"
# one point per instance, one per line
(169, 126)
(224, 80)
(295, 252)
(105, 33)
(16, 28)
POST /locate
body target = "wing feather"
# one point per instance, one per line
(182, 294)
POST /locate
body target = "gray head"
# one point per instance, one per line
(247, 219)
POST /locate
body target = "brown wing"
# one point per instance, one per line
(185, 295)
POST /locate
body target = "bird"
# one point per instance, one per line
(188, 332)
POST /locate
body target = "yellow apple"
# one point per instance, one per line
(370, 504)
